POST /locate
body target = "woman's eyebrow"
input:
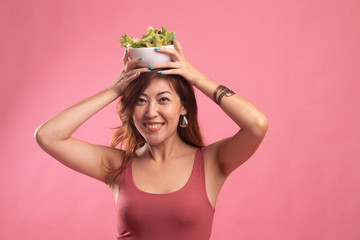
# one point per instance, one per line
(160, 93)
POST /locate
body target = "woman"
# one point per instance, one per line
(165, 182)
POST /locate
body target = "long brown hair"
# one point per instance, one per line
(128, 137)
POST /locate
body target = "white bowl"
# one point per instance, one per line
(150, 56)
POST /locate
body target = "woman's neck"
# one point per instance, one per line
(167, 150)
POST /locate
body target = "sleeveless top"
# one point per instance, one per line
(184, 214)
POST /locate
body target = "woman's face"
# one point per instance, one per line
(156, 114)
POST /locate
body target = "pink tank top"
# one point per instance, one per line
(183, 214)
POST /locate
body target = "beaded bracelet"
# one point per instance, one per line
(224, 91)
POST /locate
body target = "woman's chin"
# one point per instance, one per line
(158, 139)
(154, 142)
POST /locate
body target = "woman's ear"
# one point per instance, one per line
(183, 110)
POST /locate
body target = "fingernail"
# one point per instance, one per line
(150, 67)
(157, 48)
(161, 71)
(140, 58)
(125, 50)
(174, 37)
(137, 72)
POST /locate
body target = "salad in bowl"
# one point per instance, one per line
(145, 47)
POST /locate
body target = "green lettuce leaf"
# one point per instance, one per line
(152, 38)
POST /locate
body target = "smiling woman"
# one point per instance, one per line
(156, 114)
(173, 87)
(164, 180)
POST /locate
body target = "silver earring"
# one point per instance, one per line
(183, 121)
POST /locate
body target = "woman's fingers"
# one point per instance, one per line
(126, 56)
(136, 72)
(132, 64)
(173, 71)
(129, 73)
(167, 65)
(178, 46)
(132, 76)
(173, 53)
(125, 78)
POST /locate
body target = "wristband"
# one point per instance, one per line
(224, 91)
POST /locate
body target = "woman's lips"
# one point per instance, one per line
(153, 127)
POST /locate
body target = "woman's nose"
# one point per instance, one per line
(152, 110)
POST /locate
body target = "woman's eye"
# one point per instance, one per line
(163, 99)
(141, 100)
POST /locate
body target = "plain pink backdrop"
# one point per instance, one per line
(297, 60)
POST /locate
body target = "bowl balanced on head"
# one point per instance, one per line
(146, 47)
(150, 56)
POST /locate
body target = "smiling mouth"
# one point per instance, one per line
(153, 126)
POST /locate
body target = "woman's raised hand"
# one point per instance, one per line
(180, 65)
(129, 73)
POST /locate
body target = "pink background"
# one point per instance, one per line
(297, 60)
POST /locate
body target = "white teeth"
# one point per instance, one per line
(154, 125)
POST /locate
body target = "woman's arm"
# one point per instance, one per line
(54, 136)
(233, 151)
